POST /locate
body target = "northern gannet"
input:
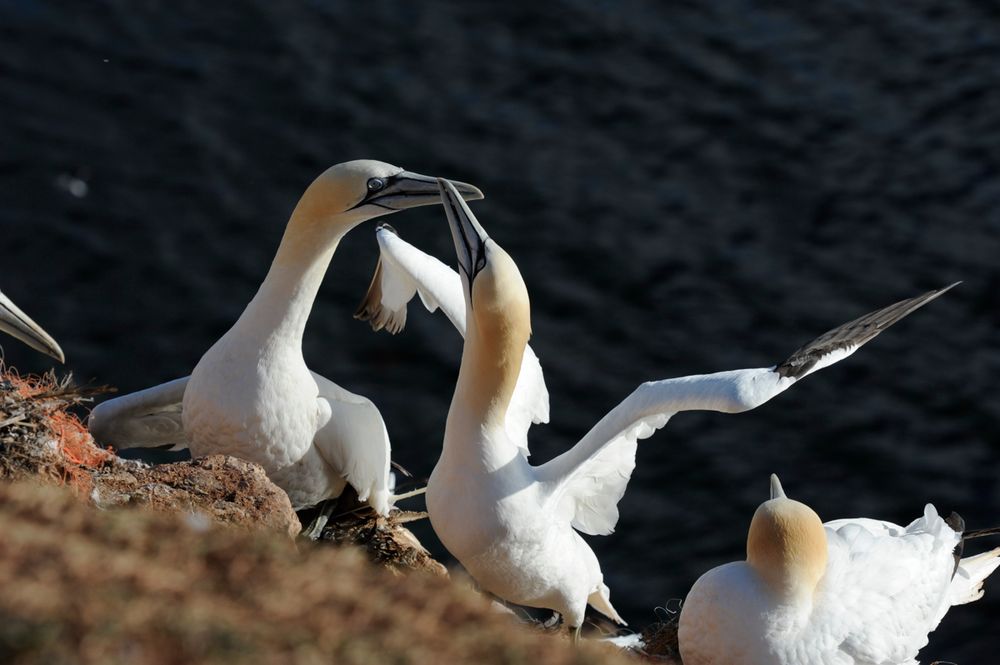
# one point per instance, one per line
(512, 525)
(16, 323)
(251, 394)
(851, 591)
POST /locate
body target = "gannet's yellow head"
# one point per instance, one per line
(500, 310)
(16, 323)
(498, 315)
(787, 545)
(354, 191)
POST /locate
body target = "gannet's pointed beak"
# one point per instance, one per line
(469, 236)
(409, 190)
(777, 492)
(17, 323)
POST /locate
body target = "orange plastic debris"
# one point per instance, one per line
(74, 441)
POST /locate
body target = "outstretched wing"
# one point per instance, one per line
(404, 271)
(586, 482)
(149, 418)
(356, 444)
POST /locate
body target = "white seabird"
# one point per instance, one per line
(851, 591)
(512, 525)
(16, 323)
(251, 394)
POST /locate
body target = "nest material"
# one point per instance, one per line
(384, 540)
(660, 639)
(40, 439)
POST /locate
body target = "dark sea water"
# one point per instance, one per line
(687, 187)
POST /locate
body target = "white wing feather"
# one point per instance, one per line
(405, 271)
(587, 481)
(148, 418)
(356, 444)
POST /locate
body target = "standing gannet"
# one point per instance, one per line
(251, 394)
(852, 591)
(16, 323)
(513, 525)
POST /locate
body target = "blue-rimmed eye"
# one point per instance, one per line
(376, 184)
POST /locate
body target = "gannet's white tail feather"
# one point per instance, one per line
(600, 600)
(967, 584)
(356, 444)
(587, 480)
(404, 271)
(149, 418)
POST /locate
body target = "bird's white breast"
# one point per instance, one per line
(491, 518)
(259, 405)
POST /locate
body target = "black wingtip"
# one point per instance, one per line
(981, 533)
(370, 306)
(853, 333)
(957, 525)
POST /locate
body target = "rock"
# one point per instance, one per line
(40, 440)
(227, 489)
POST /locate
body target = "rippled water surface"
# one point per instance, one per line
(686, 189)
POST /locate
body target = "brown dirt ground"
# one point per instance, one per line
(194, 565)
(146, 588)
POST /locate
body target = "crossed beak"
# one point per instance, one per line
(410, 190)
(469, 236)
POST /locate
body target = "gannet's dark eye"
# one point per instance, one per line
(376, 184)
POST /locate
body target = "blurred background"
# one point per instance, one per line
(687, 188)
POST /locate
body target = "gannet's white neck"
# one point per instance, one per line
(281, 307)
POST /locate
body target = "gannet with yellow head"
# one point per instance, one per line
(513, 525)
(17, 324)
(484, 500)
(251, 394)
(858, 592)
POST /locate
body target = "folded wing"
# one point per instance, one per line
(356, 444)
(886, 586)
(149, 418)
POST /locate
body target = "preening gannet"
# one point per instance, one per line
(852, 591)
(251, 394)
(16, 323)
(513, 525)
